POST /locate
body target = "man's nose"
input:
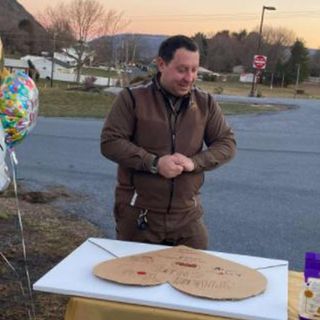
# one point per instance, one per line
(189, 76)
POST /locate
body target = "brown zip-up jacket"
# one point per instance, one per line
(143, 124)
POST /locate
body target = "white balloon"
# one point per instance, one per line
(4, 173)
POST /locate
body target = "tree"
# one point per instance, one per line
(274, 45)
(57, 26)
(221, 57)
(299, 59)
(315, 64)
(81, 21)
(226, 50)
(202, 43)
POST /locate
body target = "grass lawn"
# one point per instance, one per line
(243, 89)
(98, 72)
(60, 101)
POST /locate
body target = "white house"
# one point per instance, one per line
(89, 55)
(63, 57)
(14, 65)
(202, 70)
(44, 66)
(203, 73)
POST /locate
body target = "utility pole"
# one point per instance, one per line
(271, 81)
(253, 84)
(133, 53)
(52, 59)
(126, 51)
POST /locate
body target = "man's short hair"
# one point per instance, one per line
(169, 46)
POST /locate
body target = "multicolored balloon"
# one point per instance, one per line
(4, 173)
(19, 103)
(1, 56)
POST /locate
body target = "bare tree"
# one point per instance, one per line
(83, 20)
(275, 43)
(221, 56)
(57, 25)
(105, 47)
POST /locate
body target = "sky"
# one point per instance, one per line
(209, 16)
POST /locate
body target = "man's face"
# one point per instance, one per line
(178, 75)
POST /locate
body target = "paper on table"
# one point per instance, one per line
(188, 270)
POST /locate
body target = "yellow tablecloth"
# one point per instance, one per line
(90, 309)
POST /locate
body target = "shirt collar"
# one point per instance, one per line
(156, 81)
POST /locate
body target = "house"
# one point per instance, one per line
(15, 65)
(44, 66)
(63, 57)
(206, 74)
(87, 55)
(238, 69)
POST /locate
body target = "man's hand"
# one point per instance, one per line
(185, 162)
(169, 167)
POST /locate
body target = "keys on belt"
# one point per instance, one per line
(142, 221)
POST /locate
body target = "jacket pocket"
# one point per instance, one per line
(153, 191)
(126, 221)
(186, 191)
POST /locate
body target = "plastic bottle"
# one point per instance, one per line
(309, 303)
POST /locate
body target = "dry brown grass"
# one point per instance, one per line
(50, 235)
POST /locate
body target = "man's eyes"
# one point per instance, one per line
(182, 70)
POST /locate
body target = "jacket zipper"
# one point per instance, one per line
(172, 123)
(173, 149)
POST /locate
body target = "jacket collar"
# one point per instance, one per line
(187, 99)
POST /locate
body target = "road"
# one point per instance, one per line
(266, 202)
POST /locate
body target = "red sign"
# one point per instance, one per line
(259, 62)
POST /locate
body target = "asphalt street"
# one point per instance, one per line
(266, 202)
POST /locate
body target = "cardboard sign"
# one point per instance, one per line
(188, 270)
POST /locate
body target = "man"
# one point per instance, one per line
(155, 132)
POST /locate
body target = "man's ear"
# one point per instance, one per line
(160, 64)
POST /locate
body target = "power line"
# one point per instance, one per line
(239, 15)
(242, 15)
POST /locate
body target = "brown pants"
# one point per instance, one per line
(185, 228)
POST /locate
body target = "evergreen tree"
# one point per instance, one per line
(299, 59)
(202, 43)
(315, 64)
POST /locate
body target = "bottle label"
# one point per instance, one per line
(309, 306)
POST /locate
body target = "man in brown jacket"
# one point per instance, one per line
(155, 132)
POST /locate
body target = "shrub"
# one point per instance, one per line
(259, 94)
(218, 90)
(89, 82)
(209, 77)
(299, 91)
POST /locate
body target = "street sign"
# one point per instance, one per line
(259, 62)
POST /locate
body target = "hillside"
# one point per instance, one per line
(19, 31)
(144, 46)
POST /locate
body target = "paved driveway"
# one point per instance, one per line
(265, 202)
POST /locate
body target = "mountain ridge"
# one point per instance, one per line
(19, 30)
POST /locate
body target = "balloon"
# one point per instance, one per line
(19, 103)
(1, 56)
(3, 71)
(4, 174)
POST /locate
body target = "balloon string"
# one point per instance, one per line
(14, 163)
(18, 279)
